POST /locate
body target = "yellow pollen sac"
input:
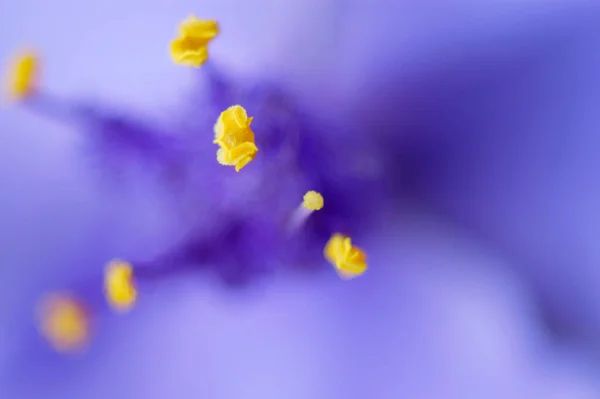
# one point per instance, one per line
(119, 286)
(349, 261)
(235, 138)
(190, 48)
(22, 75)
(64, 323)
(313, 201)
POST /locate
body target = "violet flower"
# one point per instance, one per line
(238, 225)
(438, 317)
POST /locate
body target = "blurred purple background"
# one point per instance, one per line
(483, 274)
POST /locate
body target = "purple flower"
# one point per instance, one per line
(237, 225)
(439, 314)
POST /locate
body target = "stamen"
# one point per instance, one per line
(64, 322)
(312, 202)
(349, 261)
(191, 46)
(235, 137)
(119, 286)
(22, 75)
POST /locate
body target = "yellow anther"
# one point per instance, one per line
(313, 201)
(349, 261)
(235, 137)
(190, 47)
(22, 75)
(119, 286)
(64, 322)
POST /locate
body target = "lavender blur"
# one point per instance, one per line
(486, 333)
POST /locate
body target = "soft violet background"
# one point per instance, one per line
(484, 273)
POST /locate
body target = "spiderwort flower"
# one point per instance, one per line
(355, 328)
(191, 46)
(22, 75)
(239, 224)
